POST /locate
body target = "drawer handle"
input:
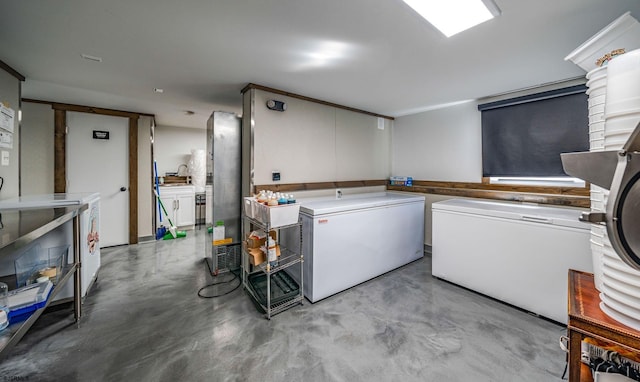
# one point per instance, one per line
(536, 219)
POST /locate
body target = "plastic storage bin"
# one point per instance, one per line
(26, 300)
(283, 287)
(274, 216)
(36, 263)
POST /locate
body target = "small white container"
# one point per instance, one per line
(4, 306)
(218, 231)
(272, 254)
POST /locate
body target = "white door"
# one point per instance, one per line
(101, 165)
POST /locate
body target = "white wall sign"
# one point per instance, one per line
(7, 115)
(6, 139)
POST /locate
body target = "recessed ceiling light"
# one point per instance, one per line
(452, 17)
(91, 58)
(158, 90)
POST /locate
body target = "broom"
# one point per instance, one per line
(161, 231)
(173, 232)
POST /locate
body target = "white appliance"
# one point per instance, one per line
(89, 231)
(353, 239)
(516, 253)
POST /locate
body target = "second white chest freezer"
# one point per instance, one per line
(517, 253)
(353, 239)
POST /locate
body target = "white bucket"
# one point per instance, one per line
(623, 84)
(596, 100)
(597, 73)
(595, 118)
(597, 109)
(594, 92)
(623, 32)
(622, 123)
(596, 126)
(596, 145)
(615, 141)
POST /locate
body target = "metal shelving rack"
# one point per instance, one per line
(288, 258)
(25, 227)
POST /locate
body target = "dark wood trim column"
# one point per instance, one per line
(60, 153)
(133, 180)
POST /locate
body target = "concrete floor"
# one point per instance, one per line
(144, 322)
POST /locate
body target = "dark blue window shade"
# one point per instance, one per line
(525, 136)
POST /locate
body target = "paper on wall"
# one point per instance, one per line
(6, 139)
(7, 116)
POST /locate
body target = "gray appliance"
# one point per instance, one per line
(223, 188)
(619, 172)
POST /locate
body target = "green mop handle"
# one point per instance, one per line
(162, 205)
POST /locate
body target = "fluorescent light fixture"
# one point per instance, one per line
(454, 16)
(561, 181)
(321, 54)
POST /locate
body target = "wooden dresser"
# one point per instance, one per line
(587, 320)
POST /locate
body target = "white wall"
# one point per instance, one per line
(172, 146)
(36, 149)
(312, 142)
(146, 199)
(10, 97)
(439, 145)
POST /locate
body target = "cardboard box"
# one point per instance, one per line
(252, 242)
(252, 246)
(257, 257)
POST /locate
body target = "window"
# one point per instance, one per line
(524, 136)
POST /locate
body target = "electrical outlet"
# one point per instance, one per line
(338, 193)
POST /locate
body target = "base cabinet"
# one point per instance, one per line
(179, 202)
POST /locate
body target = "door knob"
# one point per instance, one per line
(123, 189)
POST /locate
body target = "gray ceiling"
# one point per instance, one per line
(382, 56)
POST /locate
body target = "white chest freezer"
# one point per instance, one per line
(517, 253)
(353, 239)
(89, 231)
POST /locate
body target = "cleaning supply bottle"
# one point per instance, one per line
(272, 254)
(218, 231)
(291, 199)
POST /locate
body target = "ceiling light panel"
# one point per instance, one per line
(454, 16)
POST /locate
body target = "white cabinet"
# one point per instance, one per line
(179, 201)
